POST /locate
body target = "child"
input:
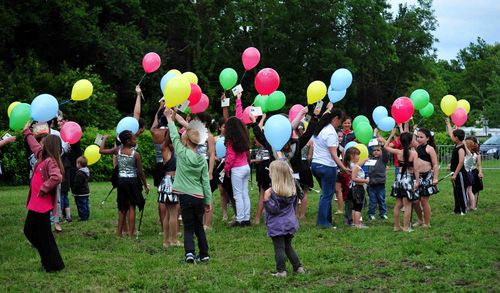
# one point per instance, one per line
(281, 222)
(459, 178)
(80, 188)
(358, 181)
(475, 172)
(376, 186)
(47, 175)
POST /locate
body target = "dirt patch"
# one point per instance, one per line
(381, 263)
(409, 263)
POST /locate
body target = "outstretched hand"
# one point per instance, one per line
(138, 90)
(27, 125)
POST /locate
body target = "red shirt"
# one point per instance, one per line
(397, 145)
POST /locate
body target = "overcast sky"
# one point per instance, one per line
(460, 22)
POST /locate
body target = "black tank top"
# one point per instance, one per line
(422, 154)
(455, 158)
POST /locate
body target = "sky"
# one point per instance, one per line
(460, 22)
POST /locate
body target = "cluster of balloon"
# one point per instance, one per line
(278, 131)
(402, 110)
(341, 79)
(421, 102)
(381, 118)
(273, 102)
(361, 147)
(19, 114)
(363, 131)
(458, 110)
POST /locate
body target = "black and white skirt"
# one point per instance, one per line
(426, 188)
(165, 194)
(403, 187)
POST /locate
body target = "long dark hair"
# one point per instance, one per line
(52, 148)
(428, 134)
(125, 137)
(237, 135)
(406, 139)
(327, 118)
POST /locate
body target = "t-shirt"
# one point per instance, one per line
(397, 145)
(325, 139)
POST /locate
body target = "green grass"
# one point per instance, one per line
(456, 254)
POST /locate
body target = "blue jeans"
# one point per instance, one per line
(326, 177)
(82, 203)
(376, 194)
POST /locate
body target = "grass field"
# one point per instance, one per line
(459, 253)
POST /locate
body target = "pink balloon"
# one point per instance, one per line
(246, 115)
(71, 132)
(267, 81)
(402, 109)
(294, 111)
(459, 117)
(201, 106)
(195, 95)
(151, 62)
(250, 58)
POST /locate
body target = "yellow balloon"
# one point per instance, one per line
(191, 77)
(174, 71)
(464, 104)
(363, 151)
(92, 154)
(11, 107)
(177, 91)
(448, 104)
(316, 91)
(82, 90)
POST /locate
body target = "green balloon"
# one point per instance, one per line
(228, 78)
(363, 132)
(420, 98)
(19, 116)
(427, 111)
(276, 101)
(261, 101)
(358, 119)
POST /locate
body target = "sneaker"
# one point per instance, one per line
(205, 258)
(417, 224)
(361, 226)
(246, 223)
(462, 214)
(190, 257)
(279, 274)
(408, 231)
(384, 217)
(300, 270)
(339, 212)
(371, 217)
(69, 219)
(236, 224)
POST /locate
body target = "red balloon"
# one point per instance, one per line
(250, 58)
(71, 132)
(459, 117)
(267, 81)
(246, 115)
(294, 111)
(151, 62)
(201, 106)
(402, 109)
(195, 95)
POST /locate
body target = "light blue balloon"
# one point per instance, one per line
(386, 124)
(379, 113)
(220, 148)
(341, 79)
(127, 123)
(166, 78)
(349, 145)
(44, 108)
(278, 131)
(335, 96)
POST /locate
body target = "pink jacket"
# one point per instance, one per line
(234, 159)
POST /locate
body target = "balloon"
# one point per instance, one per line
(246, 115)
(349, 145)
(44, 107)
(379, 113)
(82, 90)
(220, 147)
(127, 123)
(201, 106)
(464, 104)
(402, 109)
(363, 151)
(364, 132)
(266, 81)
(174, 72)
(358, 119)
(275, 101)
(165, 79)
(315, 91)
(459, 117)
(195, 95)
(250, 58)
(92, 154)
(228, 78)
(177, 91)
(261, 101)
(277, 131)
(427, 111)
(151, 62)
(71, 132)
(19, 116)
(191, 77)
(341, 79)
(448, 104)
(11, 107)
(420, 98)
(335, 96)
(294, 111)
(386, 124)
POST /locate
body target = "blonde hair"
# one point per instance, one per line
(192, 135)
(282, 180)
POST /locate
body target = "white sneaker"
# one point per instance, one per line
(279, 274)
(371, 218)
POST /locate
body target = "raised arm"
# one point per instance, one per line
(181, 120)
(7, 141)
(239, 107)
(137, 107)
(449, 128)
(296, 120)
(103, 150)
(387, 146)
(225, 110)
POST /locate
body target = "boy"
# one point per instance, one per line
(376, 186)
(80, 188)
(459, 177)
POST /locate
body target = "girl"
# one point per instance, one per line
(47, 175)
(224, 185)
(281, 222)
(474, 170)
(128, 189)
(357, 189)
(404, 187)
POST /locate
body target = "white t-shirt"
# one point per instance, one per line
(325, 139)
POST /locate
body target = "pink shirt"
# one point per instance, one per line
(37, 202)
(234, 159)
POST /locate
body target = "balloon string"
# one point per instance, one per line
(243, 76)
(64, 102)
(144, 75)
(419, 121)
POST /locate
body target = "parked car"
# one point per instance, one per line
(491, 147)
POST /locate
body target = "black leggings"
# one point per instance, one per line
(283, 249)
(192, 210)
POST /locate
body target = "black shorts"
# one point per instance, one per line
(358, 197)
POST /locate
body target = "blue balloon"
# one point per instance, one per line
(379, 113)
(127, 123)
(335, 96)
(349, 145)
(386, 124)
(278, 131)
(341, 79)
(165, 79)
(220, 148)
(44, 108)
